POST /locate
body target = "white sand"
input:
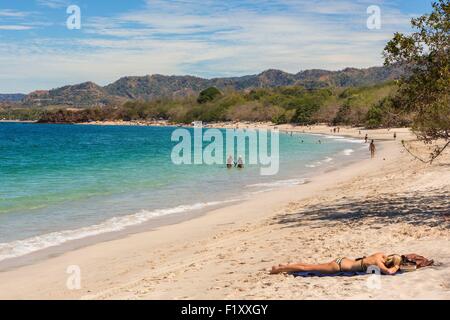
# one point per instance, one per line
(392, 204)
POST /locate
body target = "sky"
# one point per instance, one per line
(206, 38)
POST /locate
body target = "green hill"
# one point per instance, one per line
(289, 104)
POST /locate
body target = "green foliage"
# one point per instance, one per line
(256, 94)
(208, 95)
(374, 117)
(343, 115)
(23, 114)
(304, 114)
(284, 116)
(76, 116)
(358, 101)
(426, 55)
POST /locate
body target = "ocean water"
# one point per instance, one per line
(66, 182)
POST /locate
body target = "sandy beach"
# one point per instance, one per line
(391, 204)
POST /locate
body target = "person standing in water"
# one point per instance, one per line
(240, 163)
(372, 149)
(366, 138)
(230, 162)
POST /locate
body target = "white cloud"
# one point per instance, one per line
(54, 4)
(15, 27)
(12, 13)
(170, 38)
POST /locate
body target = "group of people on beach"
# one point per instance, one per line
(231, 163)
(334, 130)
(372, 147)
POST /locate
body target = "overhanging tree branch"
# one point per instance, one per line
(437, 152)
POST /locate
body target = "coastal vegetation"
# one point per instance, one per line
(8, 112)
(290, 104)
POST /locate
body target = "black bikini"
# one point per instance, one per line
(339, 262)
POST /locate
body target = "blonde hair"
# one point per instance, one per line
(393, 260)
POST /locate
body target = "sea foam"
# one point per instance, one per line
(19, 248)
(348, 152)
(279, 183)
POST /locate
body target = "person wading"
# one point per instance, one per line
(372, 149)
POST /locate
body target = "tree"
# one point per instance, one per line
(425, 89)
(304, 114)
(343, 116)
(374, 117)
(208, 95)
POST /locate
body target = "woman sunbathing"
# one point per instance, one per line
(387, 264)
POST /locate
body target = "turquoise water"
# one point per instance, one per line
(66, 182)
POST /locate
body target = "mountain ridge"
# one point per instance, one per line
(157, 86)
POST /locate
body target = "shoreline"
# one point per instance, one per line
(149, 259)
(322, 129)
(18, 121)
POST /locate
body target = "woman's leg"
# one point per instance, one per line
(330, 268)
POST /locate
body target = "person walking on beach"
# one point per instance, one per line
(230, 162)
(395, 135)
(366, 138)
(372, 149)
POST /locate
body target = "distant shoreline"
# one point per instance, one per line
(344, 131)
(18, 121)
(323, 129)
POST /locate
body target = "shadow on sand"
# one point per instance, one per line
(432, 209)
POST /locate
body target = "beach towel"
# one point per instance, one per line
(339, 274)
(418, 260)
(318, 274)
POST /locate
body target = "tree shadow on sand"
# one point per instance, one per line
(430, 210)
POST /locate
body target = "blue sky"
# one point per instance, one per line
(206, 38)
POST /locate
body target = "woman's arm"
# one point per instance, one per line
(388, 271)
